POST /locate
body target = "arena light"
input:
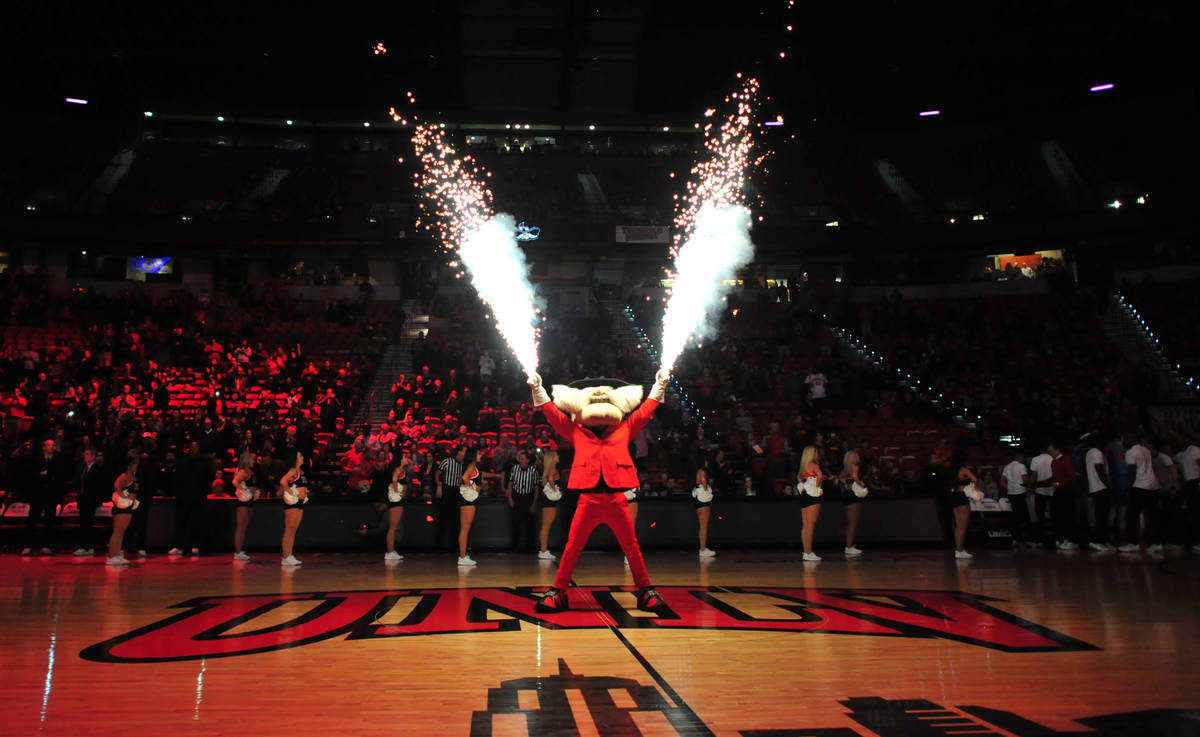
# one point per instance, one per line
(148, 113)
(929, 113)
(366, 124)
(1101, 87)
(832, 224)
(1115, 204)
(75, 100)
(978, 217)
(1142, 199)
(220, 118)
(290, 122)
(592, 127)
(777, 121)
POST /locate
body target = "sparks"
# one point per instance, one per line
(474, 236)
(712, 223)
(721, 180)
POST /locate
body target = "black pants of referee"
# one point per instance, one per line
(522, 530)
(448, 520)
(190, 523)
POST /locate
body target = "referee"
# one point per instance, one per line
(448, 477)
(520, 488)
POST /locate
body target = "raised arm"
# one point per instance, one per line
(555, 416)
(641, 416)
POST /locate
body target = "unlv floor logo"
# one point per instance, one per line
(609, 703)
(619, 707)
(206, 629)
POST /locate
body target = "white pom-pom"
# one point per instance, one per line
(552, 492)
(973, 493)
(702, 494)
(631, 495)
(247, 494)
(811, 487)
(859, 490)
(396, 493)
(469, 492)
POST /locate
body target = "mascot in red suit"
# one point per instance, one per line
(591, 415)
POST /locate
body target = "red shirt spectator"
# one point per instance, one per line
(1062, 472)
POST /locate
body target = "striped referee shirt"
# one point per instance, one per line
(524, 480)
(452, 471)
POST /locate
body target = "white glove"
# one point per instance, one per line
(659, 392)
(540, 396)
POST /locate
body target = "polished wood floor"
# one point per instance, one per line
(899, 642)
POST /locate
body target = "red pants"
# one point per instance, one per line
(593, 509)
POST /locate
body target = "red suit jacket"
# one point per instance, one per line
(606, 454)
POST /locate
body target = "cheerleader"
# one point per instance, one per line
(125, 491)
(548, 499)
(703, 494)
(245, 491)
(294, 487)
(853, 492)
(397, 487)
(964, 488)
(469, 494)
(809, 478)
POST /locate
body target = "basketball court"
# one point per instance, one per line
(904, 641)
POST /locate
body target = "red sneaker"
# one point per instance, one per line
(554, 601)
(650, 601)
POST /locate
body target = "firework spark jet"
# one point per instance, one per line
(713, 225)
(499, 273)
(459, 205)
(718, 247)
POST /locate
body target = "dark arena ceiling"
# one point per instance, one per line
(859, 64)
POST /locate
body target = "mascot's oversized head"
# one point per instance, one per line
(597, 402)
